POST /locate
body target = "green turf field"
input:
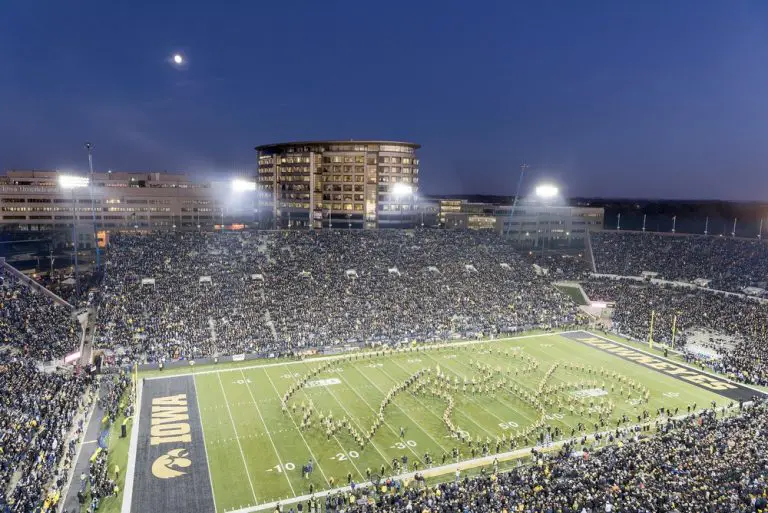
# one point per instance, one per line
(256, 448)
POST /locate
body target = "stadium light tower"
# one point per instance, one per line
(89, 148)
(401, 191)
(70, 183)
(546, 192)
(523, 167)
(241, 186)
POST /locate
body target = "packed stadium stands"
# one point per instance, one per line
(186, 295)
(701, 464)
(37, 410)
(33, 324)
(742, 319)
(730, 263)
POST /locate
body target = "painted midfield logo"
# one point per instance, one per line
(165, 467)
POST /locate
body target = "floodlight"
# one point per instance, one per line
(546, 191)
(402, 189)
(72, 181)
(240, 185)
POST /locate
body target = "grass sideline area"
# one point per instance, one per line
(118, 455)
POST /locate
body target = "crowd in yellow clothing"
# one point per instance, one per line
(37, 410)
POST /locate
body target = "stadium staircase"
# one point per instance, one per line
(270, 324)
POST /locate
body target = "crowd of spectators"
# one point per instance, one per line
(282, 291)
(701, 464)
(743, 319)
(32, 324)
(729, 263)
(37, 410)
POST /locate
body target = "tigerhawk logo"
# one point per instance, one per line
(165, 467)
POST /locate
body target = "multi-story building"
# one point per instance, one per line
(35, 201)
(349, 184)
(450, 206)
(530, 225)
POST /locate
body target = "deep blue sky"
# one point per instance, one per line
(634, 98)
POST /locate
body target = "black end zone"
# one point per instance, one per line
(705, 380)
(171, 470)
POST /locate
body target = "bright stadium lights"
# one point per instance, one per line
(402, 189)
(72, 181)
(240, 185)
(178, 59)
(546, 191)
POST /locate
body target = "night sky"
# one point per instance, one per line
(643, 99)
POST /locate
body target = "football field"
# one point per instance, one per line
(238, 439)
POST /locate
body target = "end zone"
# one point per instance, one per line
(167, 464)
(706, 380)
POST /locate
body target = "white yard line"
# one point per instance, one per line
(399, 408)
(424, 347)
(336, 439)
(131, 467)
(487, 433)
(314, 458)
(416, 398)
(266, 428)
(205, 448)
(489, 412)
(375, 412)
(237, 438)
(433, 413)
(359, 427)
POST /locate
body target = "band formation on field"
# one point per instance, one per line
(245, 438)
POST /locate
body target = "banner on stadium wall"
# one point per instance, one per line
(238, 357)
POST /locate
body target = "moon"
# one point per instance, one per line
(178, 59)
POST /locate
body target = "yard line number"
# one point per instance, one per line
(279, 468)
(343, 457)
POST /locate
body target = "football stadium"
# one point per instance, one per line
(249, 370)
(409, 257)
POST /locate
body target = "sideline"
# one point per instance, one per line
(131, 468)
